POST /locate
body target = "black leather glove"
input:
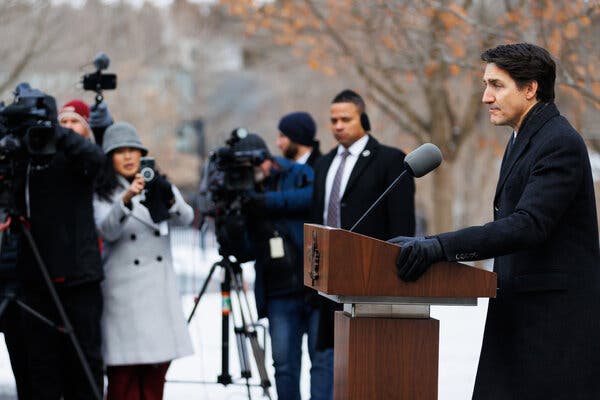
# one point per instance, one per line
(253, 204)
(416, 255)
(100, 116)
(158, 198)
(100, 119)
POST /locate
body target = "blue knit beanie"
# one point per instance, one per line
(299, 127)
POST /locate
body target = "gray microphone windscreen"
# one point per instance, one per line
(423, 159)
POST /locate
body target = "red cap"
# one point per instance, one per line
(76, 106)
(81, 111)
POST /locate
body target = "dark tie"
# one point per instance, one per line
(333, 208)
(511, 142)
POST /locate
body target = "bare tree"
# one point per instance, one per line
(420, 59)
(24, 44)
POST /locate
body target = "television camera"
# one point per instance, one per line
(28, 129)
(227, 179)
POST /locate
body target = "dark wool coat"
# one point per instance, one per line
(61, 214)
(541, 334)
(376, 168)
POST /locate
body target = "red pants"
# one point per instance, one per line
(136, 382)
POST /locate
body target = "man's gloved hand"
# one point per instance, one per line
(100, 116)
(416, 255)
(253, 203)
(158, 198)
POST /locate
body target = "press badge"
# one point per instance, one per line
(276, 246)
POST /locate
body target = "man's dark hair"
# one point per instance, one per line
(350, 96)
(525, 63)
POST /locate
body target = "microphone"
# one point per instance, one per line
(423, 160)
(418, 163)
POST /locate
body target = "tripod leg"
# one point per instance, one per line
(202, 290)
(241, 333)
(257, 351)
(4, 304)
(245, 368)
(68, 329)
(240, 337)
(225, 377)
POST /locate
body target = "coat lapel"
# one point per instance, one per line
(320, 182)
(539, 115)
(364, 159)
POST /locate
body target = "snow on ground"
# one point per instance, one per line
(194, 377)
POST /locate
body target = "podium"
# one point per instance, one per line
(386, 344)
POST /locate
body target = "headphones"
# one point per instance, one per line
(364, 122)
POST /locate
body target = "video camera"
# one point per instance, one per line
(234, 168)
(29, 122)
(227, 179)
(98, 81)
(28, 127)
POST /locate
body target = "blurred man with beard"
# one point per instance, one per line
(296, 139)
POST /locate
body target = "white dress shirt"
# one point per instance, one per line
(355, 150)
(304, 158)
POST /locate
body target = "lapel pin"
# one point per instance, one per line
(366, 153)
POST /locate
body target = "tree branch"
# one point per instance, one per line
(412, 116)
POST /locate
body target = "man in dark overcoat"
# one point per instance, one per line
(542, 329)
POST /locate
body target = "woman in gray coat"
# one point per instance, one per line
(143, 325)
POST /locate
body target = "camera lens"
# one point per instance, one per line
(147, 174)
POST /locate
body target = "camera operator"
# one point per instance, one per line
(275, 215)
(53, 193)
(143, 327)
(296, 139)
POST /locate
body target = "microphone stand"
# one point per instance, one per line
(381, 197)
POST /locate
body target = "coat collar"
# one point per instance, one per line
(533, 122)
(364, 159)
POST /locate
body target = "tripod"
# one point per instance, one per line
(66, 327)
(247, 330)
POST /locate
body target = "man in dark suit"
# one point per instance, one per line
(542, 329)
(350, 178)
(369, 167)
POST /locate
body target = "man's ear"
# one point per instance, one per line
(531, 90)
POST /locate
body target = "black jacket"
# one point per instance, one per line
(61, 214)
(541, 334)
(315, 155)
(377, 167)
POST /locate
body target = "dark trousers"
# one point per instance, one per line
(53, 365)
(290, 317)
(11, 326)
(136, 382)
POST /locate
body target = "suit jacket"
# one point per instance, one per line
(541, 334)
(315, 155)
(376, 168)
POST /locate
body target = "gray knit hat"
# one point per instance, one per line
(122, 134)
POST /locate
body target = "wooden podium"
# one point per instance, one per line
(386, 344)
